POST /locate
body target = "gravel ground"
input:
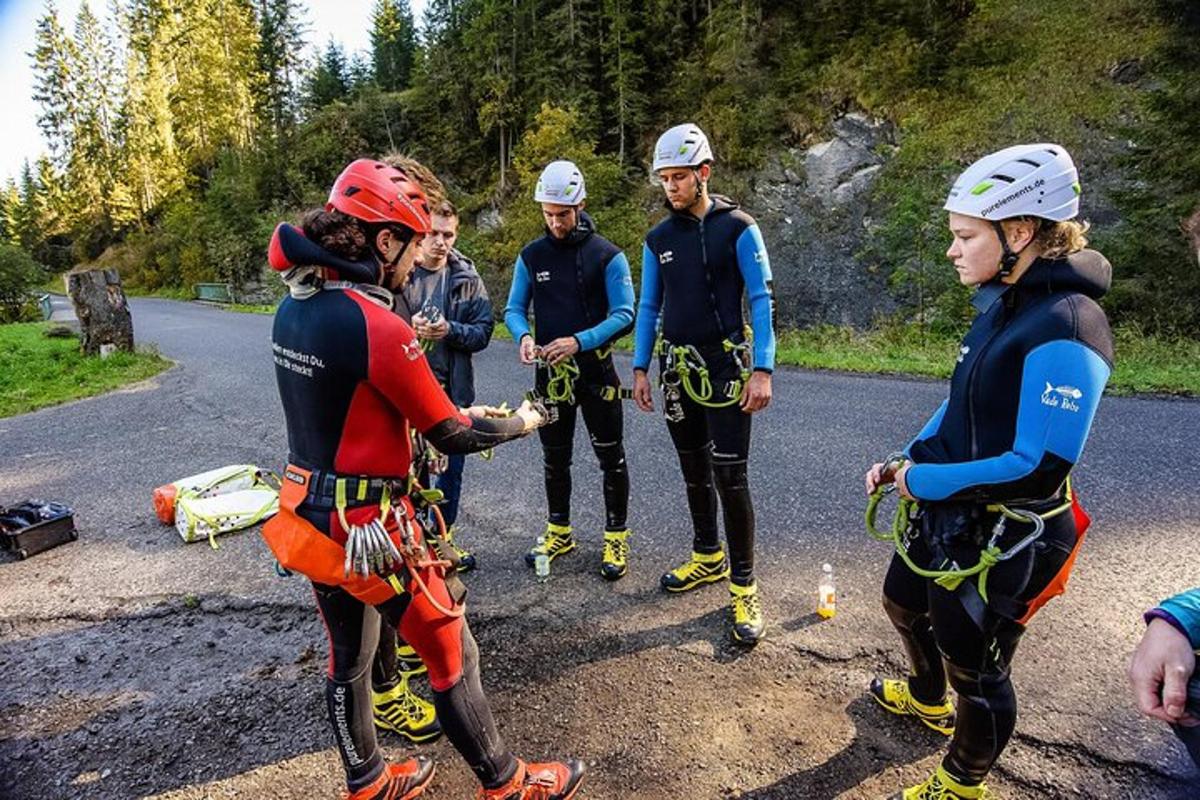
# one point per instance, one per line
(135, 666)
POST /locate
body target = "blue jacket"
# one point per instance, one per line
(1030, 374)
(578, 286)
(694, 272)
(459, 292)
(1183, 611)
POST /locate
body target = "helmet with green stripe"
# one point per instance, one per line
(682, 146)
(561, 182)
(1028, 180)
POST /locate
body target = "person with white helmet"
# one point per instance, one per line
(715, 370)
(989, 525)
(581, 294)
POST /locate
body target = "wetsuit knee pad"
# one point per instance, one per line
(611, 456)
(437, 638)
(730, 475)
(556, 457)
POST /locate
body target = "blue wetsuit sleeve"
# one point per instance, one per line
(1185, 609)
(516, 312)
(1061, 386)
(931, 427)
(618, 286)
(755, 267)
(649, 306)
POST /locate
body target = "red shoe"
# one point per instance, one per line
(403, 781)
(554, 780)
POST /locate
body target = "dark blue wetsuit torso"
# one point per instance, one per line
(578, 286)
(694, 275)
(1030, 374)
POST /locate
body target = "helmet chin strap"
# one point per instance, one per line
(388, 267)
(1009, 259)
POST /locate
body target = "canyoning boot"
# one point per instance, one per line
(402, 711)
(700, 569)
(893, 695)
(553, 780)
(615, 562)
(559, 540)
(407, 660)
(748, 622)
(466, 559)
(404, 781)
(944, 786)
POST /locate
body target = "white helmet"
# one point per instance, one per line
(1029, 180)
(561, 182)
(683, 146)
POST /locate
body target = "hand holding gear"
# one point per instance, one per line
(369, 550)
(533, 414)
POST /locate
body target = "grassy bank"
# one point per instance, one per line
(36, 371)
(1145, 364)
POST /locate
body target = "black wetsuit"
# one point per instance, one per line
(1022, 398)
(578, 286)
(694, 274)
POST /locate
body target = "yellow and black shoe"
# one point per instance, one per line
(944, 786)
(615, 562)
(402, 711)
(700, 569)
(559, 540)
(466, 559)
(408, 661)
(748, 622)
(893, 695)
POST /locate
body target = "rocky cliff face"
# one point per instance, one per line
(814, 208)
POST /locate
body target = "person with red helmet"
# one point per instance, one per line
(354, 382)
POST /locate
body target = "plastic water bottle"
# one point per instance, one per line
(826, 593)
(541, 561)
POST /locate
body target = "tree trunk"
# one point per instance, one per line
(102, 310)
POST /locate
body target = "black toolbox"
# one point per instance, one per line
(34, 526)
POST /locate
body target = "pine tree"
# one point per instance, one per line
(53, 55)
(329, 79)
(624, 70)
(10, 211)
(393, 44)
(92, 166)
(281, 38)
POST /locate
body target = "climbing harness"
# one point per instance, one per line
(950, 578)
(563, 377)
(684, 368)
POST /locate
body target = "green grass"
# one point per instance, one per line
(36, 371)
(1145, 364)
(243, 308)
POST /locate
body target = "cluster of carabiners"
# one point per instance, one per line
(561, 378)
(686, 369)
(951, 577)
(369, 548)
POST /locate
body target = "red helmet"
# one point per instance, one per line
(374, 192)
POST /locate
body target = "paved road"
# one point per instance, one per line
(72, 618)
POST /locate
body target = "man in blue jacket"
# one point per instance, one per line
(715, 369)
(452, 315)
(582, 297)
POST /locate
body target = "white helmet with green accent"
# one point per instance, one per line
(561, 183)
(682, 146)
(1029, 180)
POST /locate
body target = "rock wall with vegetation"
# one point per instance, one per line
(839, 123)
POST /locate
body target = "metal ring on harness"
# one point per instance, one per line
(414, 564)
(950, 579)
(685, 360)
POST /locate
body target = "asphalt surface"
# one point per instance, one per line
(93, 635)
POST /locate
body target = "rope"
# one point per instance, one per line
(990, 556)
